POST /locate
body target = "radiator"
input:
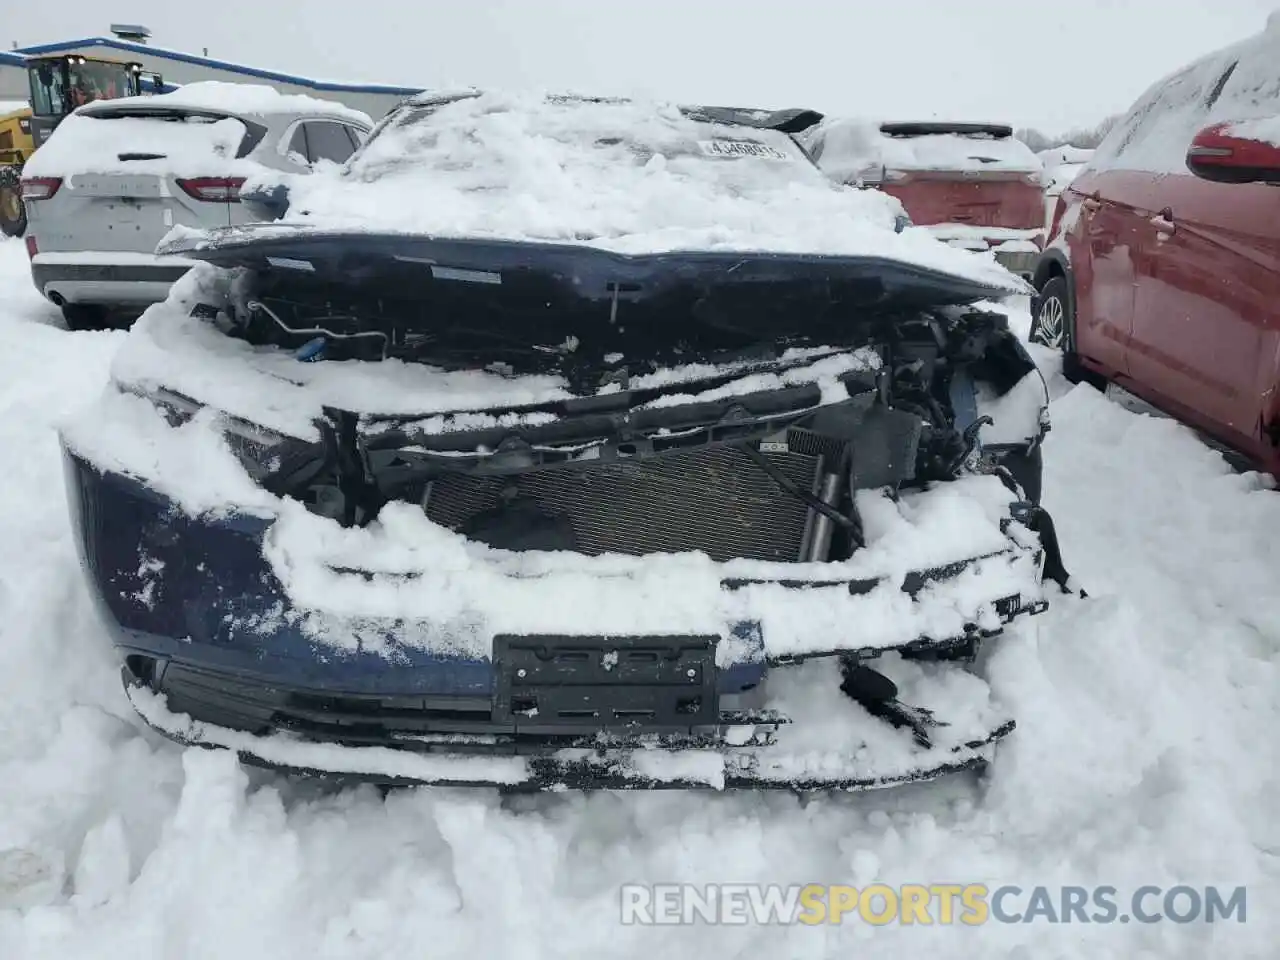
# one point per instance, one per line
(713, 499)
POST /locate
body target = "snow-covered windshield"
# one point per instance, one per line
(486, 143)
(627, 176)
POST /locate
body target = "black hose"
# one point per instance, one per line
(849, 524)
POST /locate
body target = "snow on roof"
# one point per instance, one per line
(1233, 84)
(629, 176)
(181, 57)
(849, 147)
(12, 106)
(237, 99)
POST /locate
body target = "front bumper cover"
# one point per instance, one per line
(764, 754)
(198, 671)
(808, 736)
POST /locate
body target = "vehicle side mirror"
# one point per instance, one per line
(267, 201)
(1236, 153)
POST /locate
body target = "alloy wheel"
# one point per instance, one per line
(1050, 323)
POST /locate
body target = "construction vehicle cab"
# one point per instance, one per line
(58, 85)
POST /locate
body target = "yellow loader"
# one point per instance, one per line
(58, 85)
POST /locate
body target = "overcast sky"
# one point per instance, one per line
(1052, 64)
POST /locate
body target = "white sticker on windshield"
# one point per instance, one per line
(741, 148)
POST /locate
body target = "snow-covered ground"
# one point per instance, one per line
(1145, 754)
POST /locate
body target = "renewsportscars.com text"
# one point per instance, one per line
(971, 904)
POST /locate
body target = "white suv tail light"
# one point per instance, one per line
(213, 189)
(40, 188)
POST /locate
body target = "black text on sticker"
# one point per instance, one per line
(741, 148)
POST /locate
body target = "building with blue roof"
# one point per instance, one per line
(178, 68)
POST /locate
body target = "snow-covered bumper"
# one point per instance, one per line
(218, 651)
(1016, 250)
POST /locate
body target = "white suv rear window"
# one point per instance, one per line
(169, 143)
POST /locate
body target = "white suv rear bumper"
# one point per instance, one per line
(108, 278)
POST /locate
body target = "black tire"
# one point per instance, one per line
(86, 316)
(13, 213)
(1054, 304)
(1053, 322)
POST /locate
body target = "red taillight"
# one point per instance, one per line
(32, 249)
(40, 188)
(213, 189)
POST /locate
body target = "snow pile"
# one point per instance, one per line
(13, 106)
(850, 149)
(628, 177)
(1141, 756)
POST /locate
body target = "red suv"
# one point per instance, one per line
(1162, 273)
(974, 185)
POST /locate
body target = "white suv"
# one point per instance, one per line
(118, 175)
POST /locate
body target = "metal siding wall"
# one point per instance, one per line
(13, 82)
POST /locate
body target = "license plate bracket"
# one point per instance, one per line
(585, 684)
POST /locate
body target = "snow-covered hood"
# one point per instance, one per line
(627, 177)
